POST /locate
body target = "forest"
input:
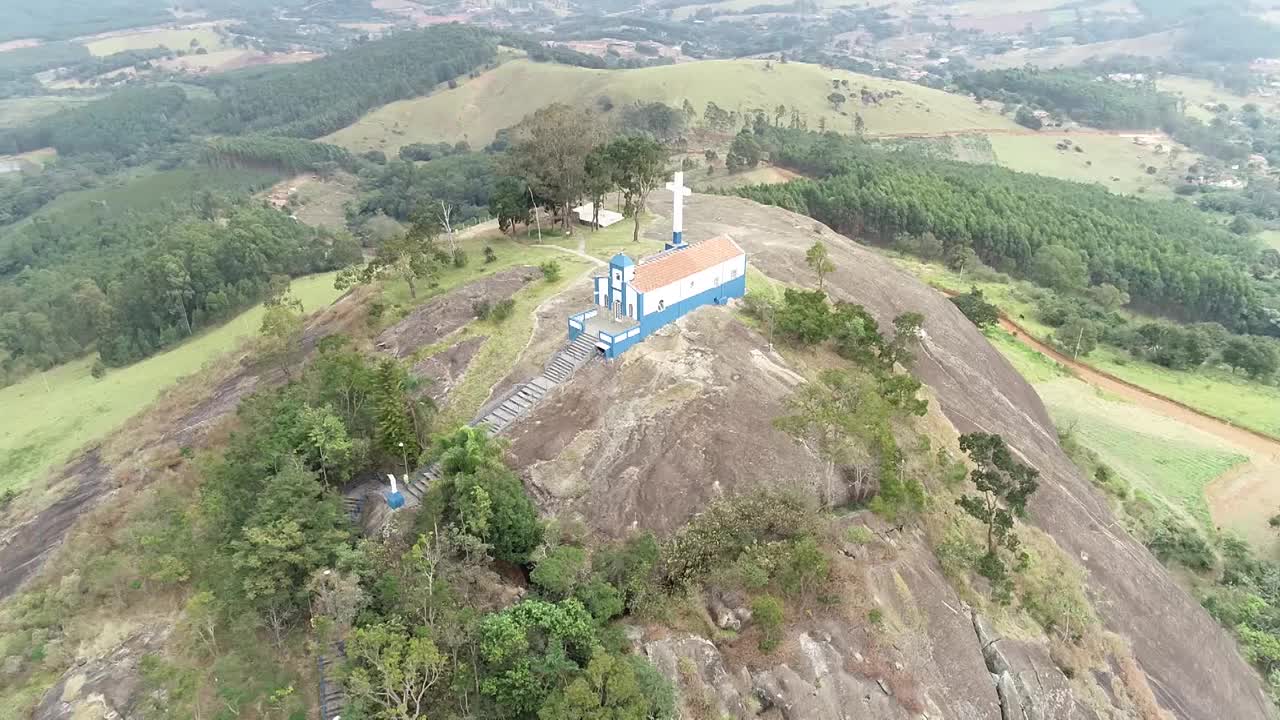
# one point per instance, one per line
(1075, 94)
(1169, 258)
(135, 285)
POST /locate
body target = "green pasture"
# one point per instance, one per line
(51, 415)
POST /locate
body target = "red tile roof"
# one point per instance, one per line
(676, 265)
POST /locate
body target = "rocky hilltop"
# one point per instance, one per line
(685, 418)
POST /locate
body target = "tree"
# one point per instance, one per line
(1027, 118)
(511, 203)
(744, 152)
(836, 99)
(600, 181)
(819, 260)
(804, 317)
(392, 671)
(1077, 336)
(281, 330)
(610, 688)
(559, 573)
(1254, 355)
(639, 166)
(1060, 268)
(1004, 486)
(859, 125)
(1109, 297)
(411, 257)
(974, 306)
(550, 150)
(465, 451)
(329, 445)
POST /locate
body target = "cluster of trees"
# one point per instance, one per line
(1082, 323)
(133, 286)
(274, 151)
(1076, 94)
(1166, 257)
(124, 124)
(424, 152)
(465, 182)
(561, 156)
(320, 97)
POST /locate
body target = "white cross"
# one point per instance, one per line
(678, 192)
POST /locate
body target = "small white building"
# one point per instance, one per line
(586, 215)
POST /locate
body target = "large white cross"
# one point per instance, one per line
(678, 192)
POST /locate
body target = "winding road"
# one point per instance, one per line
(1243, 497)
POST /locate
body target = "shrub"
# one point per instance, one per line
(766, 611)
(459, 258)
(974, 306)
(550, 270)
(482, 308)
(489, 255)
(502, 310)
(859, 535)
(99, 369)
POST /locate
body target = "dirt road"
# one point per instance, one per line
(1244, 498)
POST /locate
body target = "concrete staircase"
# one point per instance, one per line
(525, 397)
(332, 695)
(495, 418)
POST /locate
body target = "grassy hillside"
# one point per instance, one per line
(15, 112)
(1114, 161)
(477, 109)
(1197, 92)
(51, 415)
(1155, 45)
(177, 39)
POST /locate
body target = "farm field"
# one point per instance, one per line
(33, 160)
(20, 111)
(1158, 455)
(1198, 92)
(1113, 161)
(173, 39)
(1155, 45)
(317, 202)
(51, 415)
(498, 99)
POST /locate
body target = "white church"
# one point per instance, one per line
(636, 298)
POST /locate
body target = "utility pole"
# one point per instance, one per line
(536, 216)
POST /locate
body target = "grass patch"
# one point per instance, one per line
(1116, 163)
(1029, 363)
(1197, 93)
(1270, 238)
(504, 341)
(51, 415)
(1165, 458)
(172, 39)
(15, 112)
(498, 99)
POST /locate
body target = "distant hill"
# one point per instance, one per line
(498, 99)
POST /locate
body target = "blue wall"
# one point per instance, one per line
(735, 288)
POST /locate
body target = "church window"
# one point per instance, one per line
(662, 305)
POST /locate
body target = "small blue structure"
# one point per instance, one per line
(395, 499)
(635, 299)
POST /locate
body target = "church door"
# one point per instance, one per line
(617, 309)
(631, 311)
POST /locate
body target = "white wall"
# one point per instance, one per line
(694, 284)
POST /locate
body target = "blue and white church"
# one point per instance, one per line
(634, 299)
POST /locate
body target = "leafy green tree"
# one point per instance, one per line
(819, 260)
(743, 153)
(1026, 117)
(804, 317)
(398, 414)
(281, 331)
(559, 573)
(1060, 268)
(1256, 356)
(974, 306)
(550, 152)
(466, 451)
(639, 166)
(330, 445)
(530, 650)
(609, 688)
(411, 257)
(766, 613)
(391, 672)
(1077, 336)
(1004, 486)
(906, 335)
(511, 203)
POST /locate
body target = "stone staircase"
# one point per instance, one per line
(495, 418)
(332, 696)
(523, 398)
